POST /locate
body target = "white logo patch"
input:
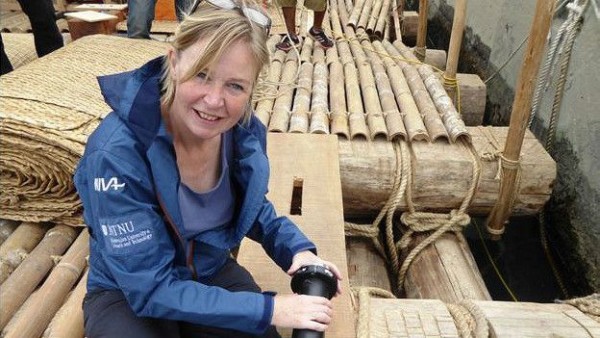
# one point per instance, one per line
(125, 237)
(101, 184)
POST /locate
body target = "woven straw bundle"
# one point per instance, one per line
(48, 109)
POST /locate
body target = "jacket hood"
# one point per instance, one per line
(135, 97)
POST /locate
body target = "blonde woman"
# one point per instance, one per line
(174, 178)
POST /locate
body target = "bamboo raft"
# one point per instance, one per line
(369, 92)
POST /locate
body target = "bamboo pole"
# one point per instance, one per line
(319, 110)
(337, 97)
(370, 95)
(68, 322)
(52, 293)
(413, 123)
(453, 122)
(370, 27)
(421, 46)
(265, 106)
(365, 14)
(458, 27)
(356, 12)
(396, 20)
(429, 113)
(28, 275)
(280, 117)
(519, 117)
(393, 119)
(299, 118)
(382, 20)
(6, 228)
(307, 51)
(14, 250)
(356, 117)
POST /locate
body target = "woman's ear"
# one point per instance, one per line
(173, 61)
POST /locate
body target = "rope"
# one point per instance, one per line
(419, 222)
(364, 309)
(469, 319)
(368, 231)
(572, 31)
(590, 305)
(452, 84)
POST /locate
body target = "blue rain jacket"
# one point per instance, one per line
(128, 179)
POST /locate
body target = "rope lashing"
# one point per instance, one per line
(469, 319)
(364, 307)
(417, 222)
(368, 231)
(590, 305)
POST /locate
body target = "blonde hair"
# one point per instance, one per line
(221, 29)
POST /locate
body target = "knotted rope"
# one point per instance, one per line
(364, 307)
(504, 164)
(420, 222)
(469, 319)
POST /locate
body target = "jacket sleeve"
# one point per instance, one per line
(130, 238)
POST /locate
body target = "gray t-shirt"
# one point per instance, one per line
(212, 209)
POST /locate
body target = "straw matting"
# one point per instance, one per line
(19, 48)
(49, 108)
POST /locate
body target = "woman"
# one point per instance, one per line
(174, 178)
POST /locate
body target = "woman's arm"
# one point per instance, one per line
(131, 240)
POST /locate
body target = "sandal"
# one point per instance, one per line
(319, 36)
(286, 44)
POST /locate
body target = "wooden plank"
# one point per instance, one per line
(442, 175)
(410, 318)
(365, 266)
(314, 159)
(508, 320)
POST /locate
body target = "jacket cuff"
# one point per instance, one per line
(267, 316)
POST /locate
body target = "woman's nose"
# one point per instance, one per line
(214, 95)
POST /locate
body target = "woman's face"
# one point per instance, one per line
(207, 105)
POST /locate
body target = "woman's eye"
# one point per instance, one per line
(236, 86)
(202, 76)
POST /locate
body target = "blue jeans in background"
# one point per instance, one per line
(141, 13)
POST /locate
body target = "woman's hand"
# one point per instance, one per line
(302, 312)
(308, 258)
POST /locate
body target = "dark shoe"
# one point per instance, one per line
(319, 36)
(286, 44)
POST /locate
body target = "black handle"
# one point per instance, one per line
(313, 280)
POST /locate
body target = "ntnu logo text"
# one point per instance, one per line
(118, 229)
(102, 184)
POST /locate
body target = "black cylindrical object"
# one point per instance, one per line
(313, 280)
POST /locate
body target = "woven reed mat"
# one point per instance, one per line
(48, 109)
(19, 48)
(313, 159)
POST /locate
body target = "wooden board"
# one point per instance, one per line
(441, 175)
(512, 320)
(365, 266)
(313, 158)
(410, 318)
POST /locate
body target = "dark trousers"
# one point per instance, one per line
(46, 36)
(107, 313)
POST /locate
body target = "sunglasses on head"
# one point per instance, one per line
(253, 14)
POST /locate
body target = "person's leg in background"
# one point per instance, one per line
(5, 65)
(139, 18)
(288, 7)
(43, 23)
(316, 31)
